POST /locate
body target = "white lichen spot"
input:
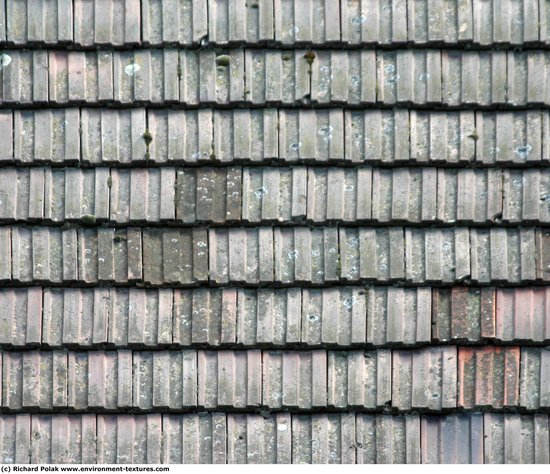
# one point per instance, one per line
(260, 192)
(131, 69)
(424, 77)
(282, 427)
(523, 151)
(358, 20)
(392, 79)
(349, 302)
(292, 254)
(325, 132)
(5, 60)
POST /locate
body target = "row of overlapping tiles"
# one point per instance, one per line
(259, 77)
(343, 317)
(320, 22)
(281, 255)
(274, 194)
(94, 136)
(284, 438)
(432, 378)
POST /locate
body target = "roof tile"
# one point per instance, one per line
(275, 77)
(522, 314)
(452, 439)
(488, 376)
(385, 439)
(117, 136)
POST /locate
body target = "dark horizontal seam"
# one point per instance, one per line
(292, 347)
(303, 223)
(263, 410)
(279, 163)
(363, 283)
(298, 105)
(267, 45)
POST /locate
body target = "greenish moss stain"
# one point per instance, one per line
(223, 60)
(309, 57)
(147, 138)
(88, 219)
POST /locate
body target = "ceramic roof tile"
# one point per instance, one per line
(340, 316)
(229, 379)
(314, 309)
(431, 378)
(124, 439)
(515, 439)
(453, 439)
(385, 439)
(488, 376)
(275, 77)
(276, 438)
(464, 314)
(522, 314)
(38, 22)
(360, 379)
(258, 21)
(285, 255)
(535, 378)
(201, 136)
(181, 445)
(115, 23)
(295, 379)
(424, 379)
(261, 194)
(504, 255)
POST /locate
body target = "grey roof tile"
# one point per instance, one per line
(522, 314)
(437, 255)
(526, 196)
(30, 22)
(115, 23)
(161, 22)
(515, 439)
(127, 439)
(424, 379)
(190, 26)
(255, 439)
(359, 379)
(332, 439)
(275, 438)
(504, 255)
(382, 23)
(295, 379)
(534, 390)
(385, 439)
(16, 438)
(282, 254)
(257, 76)
(229, 379)
(21, 320)
(197, 438)
(339, 316)
(453, 439)
(202, 136)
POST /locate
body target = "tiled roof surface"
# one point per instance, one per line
(274, 231)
